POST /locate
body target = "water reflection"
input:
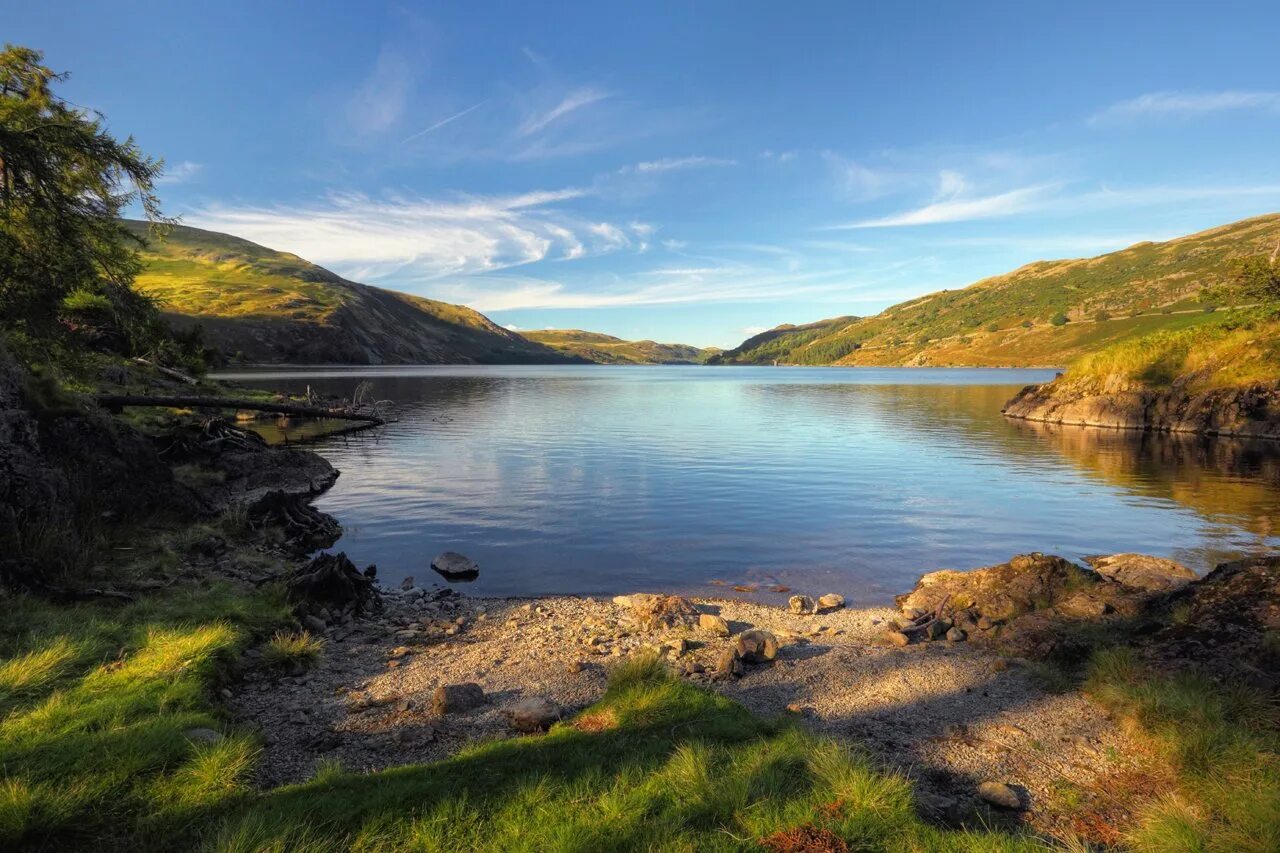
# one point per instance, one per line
(597, 480)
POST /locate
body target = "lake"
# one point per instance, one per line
(600, 480)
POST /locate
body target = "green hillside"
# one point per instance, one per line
(606, 349)
(265, 306)
(1043, 314)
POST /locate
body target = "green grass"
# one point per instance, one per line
(1223, 744)
(95, 702)
(1228, 351)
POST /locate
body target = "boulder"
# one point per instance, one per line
(1139, 571)
(713, 624)
(661, 611)
(1002, 592)
(457, 698)
(535, 714)
(756, 646)
(830, 601)
(956, 635)
(801, 605)
(455, 566)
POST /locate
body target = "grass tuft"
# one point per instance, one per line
(287, 648)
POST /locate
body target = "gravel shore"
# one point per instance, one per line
(950, 715)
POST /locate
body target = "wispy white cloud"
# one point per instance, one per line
(408, 239)
(1051, 198)
(573, 101)
(378, 102)
(671, 164)
(752, 331)
(181, 172)
(1167, 104)
(445, 121)
(960, 209)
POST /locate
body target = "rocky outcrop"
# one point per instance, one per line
(1251, 411)
(1139, 571)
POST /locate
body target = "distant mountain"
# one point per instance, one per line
(606, 349)
(1044, 314)
(260, 305)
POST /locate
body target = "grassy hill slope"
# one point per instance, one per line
(266, 306)
(1044, 314)
(606, 349)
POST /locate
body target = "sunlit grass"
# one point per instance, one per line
(1223, 744)
(292, 647)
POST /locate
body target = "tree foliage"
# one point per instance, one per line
(64, 182)
(1259, 277)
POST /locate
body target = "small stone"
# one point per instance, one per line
(897, 638)
(956, 635)
(756, 646)
(400, 651)
(1000, 794)
(729, 663)
(407, 583)
(795, 708)
(985, 623)
(800, 604)
(913, 613)
(403, 705)
(314, 625)
(456, 698)
(713, 624)
(935, 631)
(575, 666)
(392, 664)
(830, 601)
(226, 694)
(535, 714)
(202, 735)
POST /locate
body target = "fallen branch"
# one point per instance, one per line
(118, 401)
(168, 371)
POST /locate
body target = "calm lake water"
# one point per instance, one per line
(599, 480)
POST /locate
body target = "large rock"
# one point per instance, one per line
(457, 698)
(1139, 571)
(659, 611)
(756, 646)
(801, 605)
(1000, 794)
(713, 624)
(1002, 592)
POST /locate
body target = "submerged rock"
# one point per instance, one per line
(455, 566)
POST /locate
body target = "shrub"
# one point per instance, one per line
(1059, 319)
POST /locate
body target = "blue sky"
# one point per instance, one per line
(690, 172)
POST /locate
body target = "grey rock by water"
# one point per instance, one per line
(831, 601)
(801, 604)
(453, 564)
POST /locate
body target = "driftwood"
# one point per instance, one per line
(115, 402)
(168, 371)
